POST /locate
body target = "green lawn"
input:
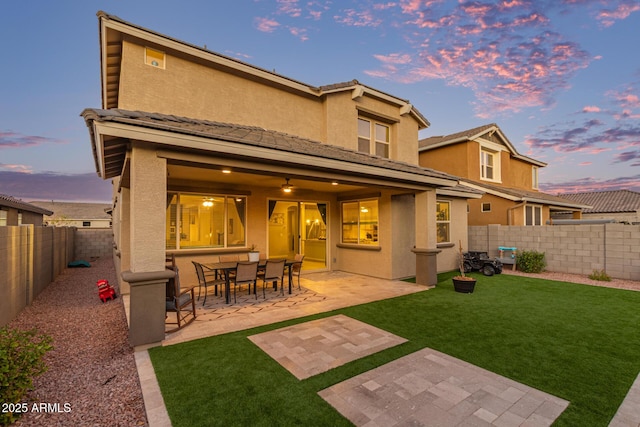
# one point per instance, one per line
(577, 342)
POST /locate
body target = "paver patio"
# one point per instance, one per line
(314, 347)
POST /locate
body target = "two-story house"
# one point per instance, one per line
(486, 160)
(210, 155)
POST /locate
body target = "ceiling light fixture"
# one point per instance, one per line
(287, 187)
(226, 170)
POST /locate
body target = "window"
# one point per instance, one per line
(443, 221)
(19, 218)
(487, 165)
(205, 221)
(379, 144)
(360, 222)
(86, 223)
(3, 218)
(486, 207)
(533, 215)
(534, 177)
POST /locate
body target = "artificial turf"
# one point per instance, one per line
(577, 342)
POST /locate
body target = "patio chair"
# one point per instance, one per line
(229, 258)
(273, 271)
(207, 279)
(296, 267)
(180, 301)
(246, 274)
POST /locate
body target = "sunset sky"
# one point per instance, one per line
(560, 77)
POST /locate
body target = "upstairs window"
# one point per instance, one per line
(373, 137)
(534, 177)
(3, 217)
(488, 164)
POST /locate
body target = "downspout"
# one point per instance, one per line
(510, 211)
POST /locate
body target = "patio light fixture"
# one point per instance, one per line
(287, 187)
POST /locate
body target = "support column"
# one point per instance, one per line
(147, 275)
(425, 249)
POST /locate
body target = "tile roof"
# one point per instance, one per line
(607, 201)
(529, 196)
(74, 210)
(12, 202)
(463, 135)
(255, 136)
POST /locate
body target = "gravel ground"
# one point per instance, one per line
(92, 366)
(576, 278)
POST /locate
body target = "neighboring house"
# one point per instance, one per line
(209, 155)
(618, 205)
(16, 212)
(74, 214)
(486, 160)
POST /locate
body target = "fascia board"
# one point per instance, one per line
(494, 192)
(555, 203)
(457, 193)
(259, 153)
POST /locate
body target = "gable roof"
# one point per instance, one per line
(75, 210)
(519, 195)
(618, 201)
(214, 137)
(491, 132)
(12, 202)
(113, 30)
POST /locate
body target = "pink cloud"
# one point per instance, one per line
(266, 25)
(608, 17)
(591, 109)
(300, 33)
(585, 163)
(364, 18)
(10, 139)
(16, 168)
(289, 7)
(592, 184)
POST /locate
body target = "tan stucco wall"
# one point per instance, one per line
(454, 159)
(449, 255)
(194, 90)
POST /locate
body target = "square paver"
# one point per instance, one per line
(413, 390)
(314, 347)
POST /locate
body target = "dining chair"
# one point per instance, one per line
(296, 267)
(180, 301)
(273, 271)
(246, 274)
(206, 280)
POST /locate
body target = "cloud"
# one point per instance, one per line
(354, 18)
(591, 109)
(16, 168)
(266, 25)
(10, 139)
(608, 17)
(591, 184)
(54, 186)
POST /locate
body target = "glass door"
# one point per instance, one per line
(298, 227)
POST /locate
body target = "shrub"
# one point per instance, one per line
(21, 359)
(530, 261)
(600, 275)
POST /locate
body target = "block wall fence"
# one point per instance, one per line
(576, 249)
(32, 257)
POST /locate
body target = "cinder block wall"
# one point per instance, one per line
(577, 249)
(93, 243)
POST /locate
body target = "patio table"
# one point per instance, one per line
(231, 266)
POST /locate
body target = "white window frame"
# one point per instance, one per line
(534, 177)
(3, 217)
(482, 205)
(536, 215)
(495, 152)
(372, 137)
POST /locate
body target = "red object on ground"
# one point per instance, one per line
(105, 291)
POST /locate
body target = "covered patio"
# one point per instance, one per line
(319, 292)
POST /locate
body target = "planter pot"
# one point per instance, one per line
(254, 256)
(464, 285)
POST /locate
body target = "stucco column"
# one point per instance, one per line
(146, 276)
(425, 250)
